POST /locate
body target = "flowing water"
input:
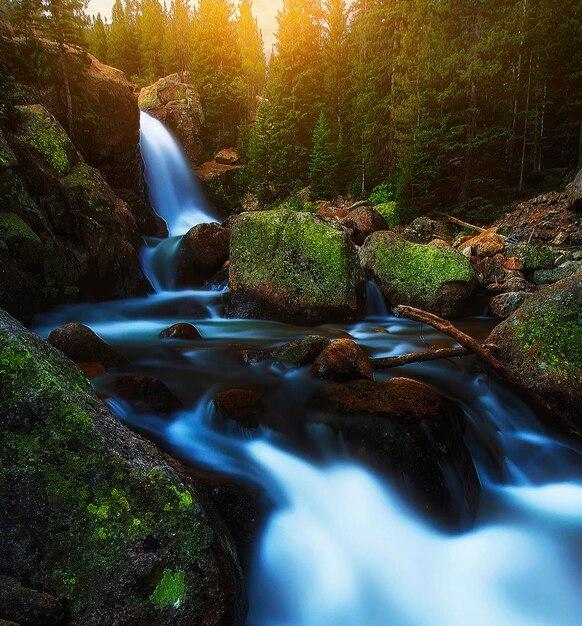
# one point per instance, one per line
(340, 546)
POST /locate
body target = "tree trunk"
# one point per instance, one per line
(68, 97)
(525, 128)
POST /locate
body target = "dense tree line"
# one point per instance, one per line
(448, 103)
(431, 103)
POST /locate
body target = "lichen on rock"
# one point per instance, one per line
(95, 514)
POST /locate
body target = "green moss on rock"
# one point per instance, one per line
(295, 267)
(92, 512)
(541, 343)
(39, 132)
(436, 279)
(7, 157)
(389, 211)
(22, 242)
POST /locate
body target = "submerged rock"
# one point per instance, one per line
(413, 435)
(203, 251)
(182, 331)
(95, 514)
(343, 360)
(82, 345)
(24, 606)
(435, 279)
(241, 405)
(300, 352)
(541, 344)
(293, 267)
(145, 394)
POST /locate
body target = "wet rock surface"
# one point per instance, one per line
(140, 541)
(145, 394)
(299, 352)
(82, 345)
(342, 361)
(202, 253)
(411, 433)
(182, 331)
(541, 344)
(364, 221)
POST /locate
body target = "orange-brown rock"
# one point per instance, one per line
(364, 221)
(227, 156)
(342, 361)
(183, 331)
(486, 244)
(513, 264)
(332, 213)
(145, 394)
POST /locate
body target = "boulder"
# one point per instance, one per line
(20, 293)
(182, 331)
(145, 394)
(294, 267)
(412, 434)
(203, 251)
(227, 156)
(487, 244)
(548, 277)
(432, 278)
(332, 213)
(107, 124)
(343, 360)
(505, 304)
(541, 344)
(175, 102)
(93, 513)
(63, 220)
(425, 229)
(575, 193)
(241, 405)
(300, 352)
(363, 222)
(82, 345)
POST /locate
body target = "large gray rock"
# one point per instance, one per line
(432, 278)
(294, 267)
(541, 344)
(93, 513)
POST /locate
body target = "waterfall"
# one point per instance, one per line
(175, 193)
(341, 546)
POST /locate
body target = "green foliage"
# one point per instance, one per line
(322, 166)
(389, 210)
(381, 194)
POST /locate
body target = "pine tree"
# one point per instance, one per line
(252, 55)
(97, 39)
(63, 24)
(322, 166)
(25, 15)
(123, 46)
(151, 31)
(179, 39)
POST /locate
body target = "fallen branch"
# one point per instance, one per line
(418, 357)
(482, 351)
(459, 222)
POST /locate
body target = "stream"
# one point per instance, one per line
(339, 545)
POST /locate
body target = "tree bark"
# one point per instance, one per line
(418, 357)
(459, 222)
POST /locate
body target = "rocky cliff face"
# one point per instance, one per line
(74, 208)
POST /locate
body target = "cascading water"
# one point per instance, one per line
(341, 547)
(176, 195)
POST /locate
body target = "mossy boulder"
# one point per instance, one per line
(21, 241)
(299, 352)
(293, 267)
(95, 514)
(436, 279)
(44, 139)
(541, 344)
